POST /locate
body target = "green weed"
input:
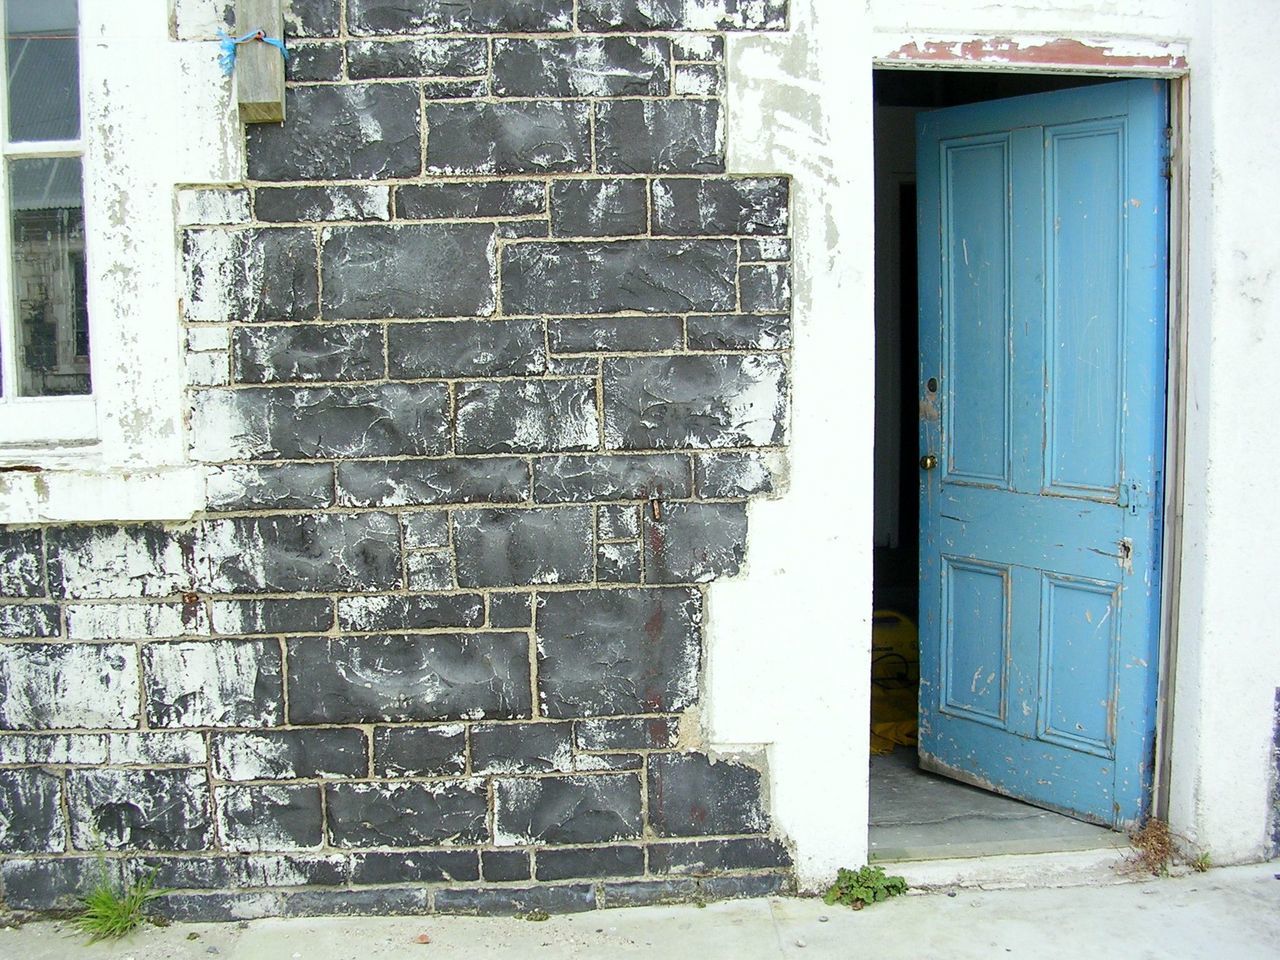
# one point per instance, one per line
(857, 888)
(109, 914)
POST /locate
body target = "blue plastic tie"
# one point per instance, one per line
(228, 43)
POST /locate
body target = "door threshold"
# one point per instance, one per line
(1078, 868)
(900, 849)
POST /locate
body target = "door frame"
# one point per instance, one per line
(990, 53)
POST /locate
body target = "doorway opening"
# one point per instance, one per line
(916, 814)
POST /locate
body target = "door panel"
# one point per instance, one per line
(1043, 230)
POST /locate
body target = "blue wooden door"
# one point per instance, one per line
(1043, 277)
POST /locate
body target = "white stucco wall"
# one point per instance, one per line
(789, 640)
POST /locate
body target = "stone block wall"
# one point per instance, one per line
(487, 354)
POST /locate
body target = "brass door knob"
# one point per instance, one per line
(928, 461)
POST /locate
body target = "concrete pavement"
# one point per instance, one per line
(1227, 913)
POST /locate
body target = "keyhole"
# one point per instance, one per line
(931, 385)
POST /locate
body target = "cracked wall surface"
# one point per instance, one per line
(486, 355)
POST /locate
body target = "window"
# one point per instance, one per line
(45, 376)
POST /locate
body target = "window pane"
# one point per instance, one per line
(51, 316)
(44, 69)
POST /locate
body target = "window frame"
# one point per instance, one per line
(53, 421)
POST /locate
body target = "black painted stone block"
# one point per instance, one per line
(370, 679)
(582, 67)
(572, 864)
(738, 205)
(466, 348)
(531, 136)
(646, 893)
(455, 480)
(270, 817)
(348, 132)
(31, 812)
(695, 542)
(586, 478)
(21, 569)
(739, 331)
(627, 733)
(360, 420)
(651, 276)
(510, 609)
(311, 18)
(310, 615)
(311, 62)
(480, 199)
(321, 204)
(407, 814)
(714, 856)
(507, 748)
(421, 866)
(272, 354)
(303, 553)
(692, 796)
(250, 275)
(415, 270)
(266, 486)
(765, 248)
(290, 754)
(683, 14)
(745, 886)
(765, 287)
(425, 529)
(112, 562)
(139, 809)
(506, 901)
(584, 809)
(618, 563)
(507, 548)
(598, 208)
(459, 16)
(618, 522)
(29, 620)
(437, 751)
(702, 401)
(527, 416)
(37, 695)
(500, 865)
(54, 883)
(414, 612)
(732, 475)
(659, 136)
(258, 904)
(611, 652)
(239, 870)
(425, 570)
(227, 683)
(616, 335)
(419, 57)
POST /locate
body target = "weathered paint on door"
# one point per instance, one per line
(1043, 276)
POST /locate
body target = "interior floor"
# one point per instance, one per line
(917, 815)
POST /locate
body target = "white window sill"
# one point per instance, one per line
(58, 491)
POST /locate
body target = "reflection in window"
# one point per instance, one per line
(44, 350)
(48, 278)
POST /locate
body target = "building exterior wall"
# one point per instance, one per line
(485, 355)
(206, 673)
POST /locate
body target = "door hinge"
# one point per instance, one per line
(1132, 496)
(1168, 153)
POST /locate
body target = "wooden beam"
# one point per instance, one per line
(259, 66)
